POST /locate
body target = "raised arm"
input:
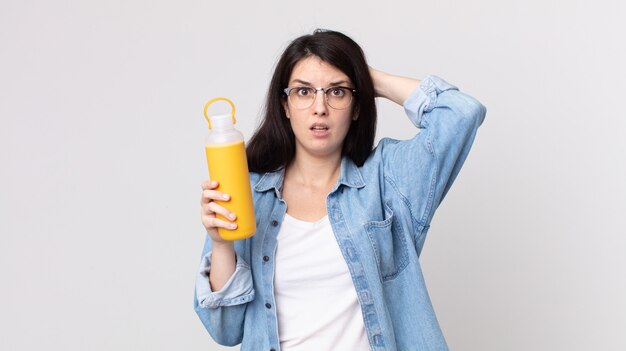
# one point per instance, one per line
(421, 170)
(394, 88)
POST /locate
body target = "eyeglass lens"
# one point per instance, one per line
(336, 97)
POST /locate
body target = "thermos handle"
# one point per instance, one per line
(218, 99)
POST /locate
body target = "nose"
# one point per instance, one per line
(319, 105)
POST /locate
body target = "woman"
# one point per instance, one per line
(340, 227)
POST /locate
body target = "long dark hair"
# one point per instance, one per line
(273, 144)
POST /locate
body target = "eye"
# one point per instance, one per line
(337, 92)
(303, 91)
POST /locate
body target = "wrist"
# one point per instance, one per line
(378, 78)
(222, 246)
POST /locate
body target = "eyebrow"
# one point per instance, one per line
(333, 84)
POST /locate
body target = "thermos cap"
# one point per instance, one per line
(232, 112)
(221, 122)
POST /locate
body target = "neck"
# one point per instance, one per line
(314, 171)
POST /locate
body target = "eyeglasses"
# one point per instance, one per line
(303, 97)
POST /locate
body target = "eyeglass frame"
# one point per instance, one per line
(288, 90)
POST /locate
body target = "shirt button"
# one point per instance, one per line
(268, 305)
(266, 258)
(274, 223)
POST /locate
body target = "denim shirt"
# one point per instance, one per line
(380, 214)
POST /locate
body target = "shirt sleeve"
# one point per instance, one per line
(237, 290)
(421, 170)
(424, 99)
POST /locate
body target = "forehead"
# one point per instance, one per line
(313, 70)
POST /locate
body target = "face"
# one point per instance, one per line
(319, 129)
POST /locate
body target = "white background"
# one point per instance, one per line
(101, 160)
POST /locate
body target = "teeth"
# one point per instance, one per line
(320, 128)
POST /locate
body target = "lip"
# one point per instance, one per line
(319, 129)
(319, 125)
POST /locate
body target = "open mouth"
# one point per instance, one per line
(319, 127)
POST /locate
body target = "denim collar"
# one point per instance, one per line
(349, 176)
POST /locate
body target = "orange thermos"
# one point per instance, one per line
(226, 158)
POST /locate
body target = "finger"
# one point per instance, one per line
(206, 211)
(209, 184)
(218, 223)
(211, 209)
(224, 212)
(213, 195)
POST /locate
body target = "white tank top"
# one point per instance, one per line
(316, 303)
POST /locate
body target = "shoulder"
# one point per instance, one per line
(382, 150)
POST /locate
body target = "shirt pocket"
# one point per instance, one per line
(390, 247)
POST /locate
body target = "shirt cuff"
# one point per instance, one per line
(237, 290)
(424, 97)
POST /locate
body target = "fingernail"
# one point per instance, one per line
(232, 216)
(225, 197)
(233, 226)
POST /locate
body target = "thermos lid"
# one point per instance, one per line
(221, 122)
(223, 119)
